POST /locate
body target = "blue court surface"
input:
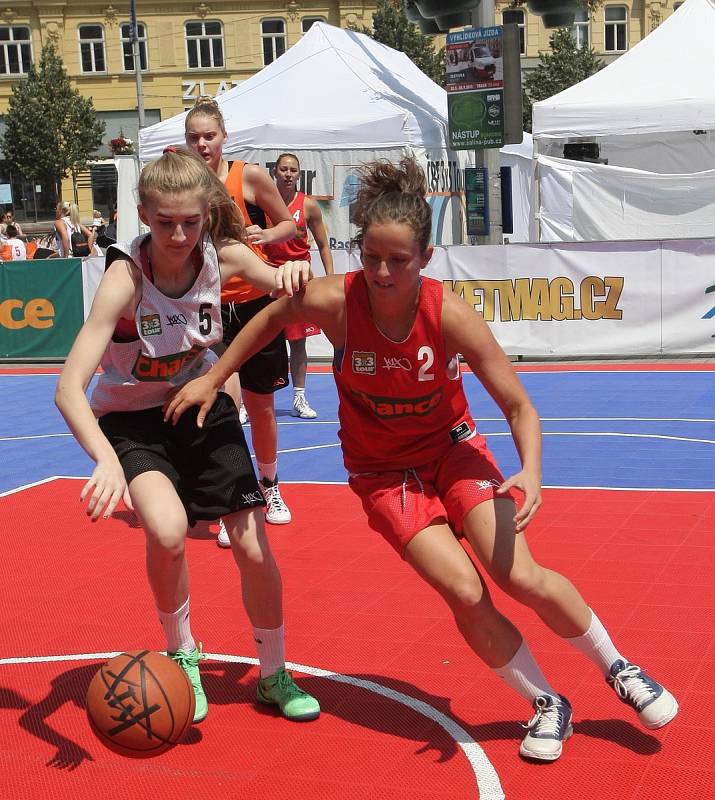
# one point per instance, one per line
(621, 429)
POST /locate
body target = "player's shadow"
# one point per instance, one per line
(67, 687)
(226, 683)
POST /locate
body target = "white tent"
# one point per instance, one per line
(337, 99)
(651, 109)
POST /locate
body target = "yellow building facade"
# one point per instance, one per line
(188, 48)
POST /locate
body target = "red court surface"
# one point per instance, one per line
(408, 710)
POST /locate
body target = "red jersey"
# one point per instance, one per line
(402, 404)
(297, 249)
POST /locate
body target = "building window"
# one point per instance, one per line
(273, 34)
(581, 30)
(15, 50)
(127, 50)
(307, 23)
(616, 28)
(91, 48)
(204, 44)
(516, 17)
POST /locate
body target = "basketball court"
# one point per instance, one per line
(408, 710)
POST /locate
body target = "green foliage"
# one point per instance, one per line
(51, 130)
(564, 66)
(390, 26)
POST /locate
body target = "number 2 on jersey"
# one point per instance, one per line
(425, 354)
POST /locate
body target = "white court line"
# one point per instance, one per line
(486, 776)
(484, 433)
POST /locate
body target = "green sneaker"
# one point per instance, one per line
(189, 662)
(280, 690)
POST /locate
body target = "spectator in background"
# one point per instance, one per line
(98, 224)
(8, 218)
(13, 249)
(67, 225)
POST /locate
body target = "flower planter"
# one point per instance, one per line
(458, 20)
(555, 13)
(444, 8)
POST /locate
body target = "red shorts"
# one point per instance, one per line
(299, 330)
(400, 504)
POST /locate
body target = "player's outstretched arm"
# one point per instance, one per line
(116, 297)
(322, 302)
(235, 258)
(268, 198)
(467, 333)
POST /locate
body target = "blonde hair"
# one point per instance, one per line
(74, 214)
(393, 193)
(181, 170)
(205, 106)
(62, 208)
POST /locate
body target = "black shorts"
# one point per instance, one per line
(210, 467)
(267, 371)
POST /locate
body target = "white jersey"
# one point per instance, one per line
(174, 336)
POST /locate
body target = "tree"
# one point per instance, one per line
(565, 65)
(390, 26)
(51, 130)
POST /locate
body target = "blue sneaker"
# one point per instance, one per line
(548, 729)
(653, 703)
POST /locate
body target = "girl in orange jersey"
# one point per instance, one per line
(152, 323)
(266, 372)
(423, 473)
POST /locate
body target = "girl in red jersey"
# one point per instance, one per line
(423, 473)
(154, 318)
(307, 217)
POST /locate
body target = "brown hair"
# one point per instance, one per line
(393, 193)
(205, 106)
(181, 170)
(287, 155)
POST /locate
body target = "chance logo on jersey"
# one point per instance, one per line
(163, 368)
(364, 363)
(401, 407)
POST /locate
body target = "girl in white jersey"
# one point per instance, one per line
(154, 317)
(424, 475)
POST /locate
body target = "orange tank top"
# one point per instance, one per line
(236, 290)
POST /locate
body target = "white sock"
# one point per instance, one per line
(177, 628)
(524, 675)
(267, 471)
(597, 645)
(270, 644)
(298, 391)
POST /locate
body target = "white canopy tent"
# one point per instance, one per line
(338, 99)
(653, 108)
(652, 113)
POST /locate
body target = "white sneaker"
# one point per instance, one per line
(548, 729)
(653, 703)
(302, 409)
(223, 539)
(277, 512)
(242, 414)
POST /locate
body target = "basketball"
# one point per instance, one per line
(140, 703)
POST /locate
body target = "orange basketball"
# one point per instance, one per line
(140, 703)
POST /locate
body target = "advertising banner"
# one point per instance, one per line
(41, 307)
(331, 178)
(582, 298)
(475, 88)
